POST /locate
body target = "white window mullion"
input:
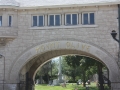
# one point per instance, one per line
(88, 18)
(77, 19)
(37, 20)
(1, 20)
(48, 16)
(65, 19)
(43, 20)
(60, 19)
(80, 18)
(71, 19)
(54, 20)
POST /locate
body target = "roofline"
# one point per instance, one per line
(61, 6)
(9, 6)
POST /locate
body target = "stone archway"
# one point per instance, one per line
(49, 49)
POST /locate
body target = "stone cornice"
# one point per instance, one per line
(60, 6)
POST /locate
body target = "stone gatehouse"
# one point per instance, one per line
(34, 31)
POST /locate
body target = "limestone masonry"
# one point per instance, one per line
(30, 35)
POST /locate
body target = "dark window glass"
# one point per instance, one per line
(68, 19)
(40, 20)
(74, 19)
(57, 20)
(85, 18)
(34, 20)
(51, 20)
(92, 18)
(10, 20)
(0, 20)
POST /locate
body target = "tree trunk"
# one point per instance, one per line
(47, 78)
(109, 83)
(100, 77)
(84, 85)
(74, 74)
(51, 69)
(74, 78)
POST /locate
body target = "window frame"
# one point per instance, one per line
(88, 18)
(54, 19)
(38, 20)
(2, 20)
(71, 19)
(11, 21)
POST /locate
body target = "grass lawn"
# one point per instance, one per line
(68, 87)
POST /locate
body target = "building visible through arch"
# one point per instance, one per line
(32, 33)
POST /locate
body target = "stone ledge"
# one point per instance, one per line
(64, 27)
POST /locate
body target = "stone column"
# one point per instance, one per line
(60, 71)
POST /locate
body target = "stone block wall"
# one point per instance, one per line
(28, 36)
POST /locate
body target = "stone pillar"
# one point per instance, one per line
(4, 20)
(15, 21)
(60, 71)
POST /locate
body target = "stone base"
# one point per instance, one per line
(8, 86)
(115, 86)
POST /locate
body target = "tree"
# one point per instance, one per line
(54, 69)
(87, 66)
(100, 74)
(73, 62)
(48, 71)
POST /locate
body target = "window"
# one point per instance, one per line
(34, 20)
(54, 20)
(71, 19)
(88, 18)
(9, 20)
(41, 21)
(38, 21)
(0, 20)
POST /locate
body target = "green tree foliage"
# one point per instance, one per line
(47, 71)
(87, 66)
(54, 69)
(73, 61)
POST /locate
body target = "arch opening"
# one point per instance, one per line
(39, 54)
(32, 70)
